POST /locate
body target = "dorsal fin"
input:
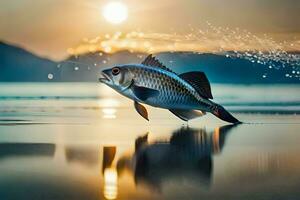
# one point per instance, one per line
(199, 81)
(152, 61)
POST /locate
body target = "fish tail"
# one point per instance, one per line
(220, 112)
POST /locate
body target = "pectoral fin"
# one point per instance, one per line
(141, 110)
(144, 93)
(187, 114)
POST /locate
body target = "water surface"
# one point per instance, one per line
(84, 141)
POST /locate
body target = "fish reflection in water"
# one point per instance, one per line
(185, 157)
(84, 156)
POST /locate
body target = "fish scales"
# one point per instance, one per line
(172, 90)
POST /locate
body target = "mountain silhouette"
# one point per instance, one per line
(19, 65)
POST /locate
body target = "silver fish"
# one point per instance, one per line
(186, 95)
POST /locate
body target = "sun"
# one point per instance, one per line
(115, 12)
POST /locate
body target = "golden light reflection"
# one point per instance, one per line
(109, 113)
(108, 107)
(108, 102)
(110, 189)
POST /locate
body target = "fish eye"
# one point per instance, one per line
(115, 71)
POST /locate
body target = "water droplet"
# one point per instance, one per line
(50, 76)
(104, 61)
(264, 76)
(76, 68)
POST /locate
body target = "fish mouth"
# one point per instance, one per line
(104, 78)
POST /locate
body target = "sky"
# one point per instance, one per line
(56, 28)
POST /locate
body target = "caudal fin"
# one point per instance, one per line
(223, 114)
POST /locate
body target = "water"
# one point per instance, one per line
(84, 141)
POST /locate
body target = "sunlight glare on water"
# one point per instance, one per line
(110, 183)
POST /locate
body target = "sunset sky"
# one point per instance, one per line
(51, 27)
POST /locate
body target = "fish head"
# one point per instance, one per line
(118, 77)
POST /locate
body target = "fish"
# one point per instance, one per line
(187, 95)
